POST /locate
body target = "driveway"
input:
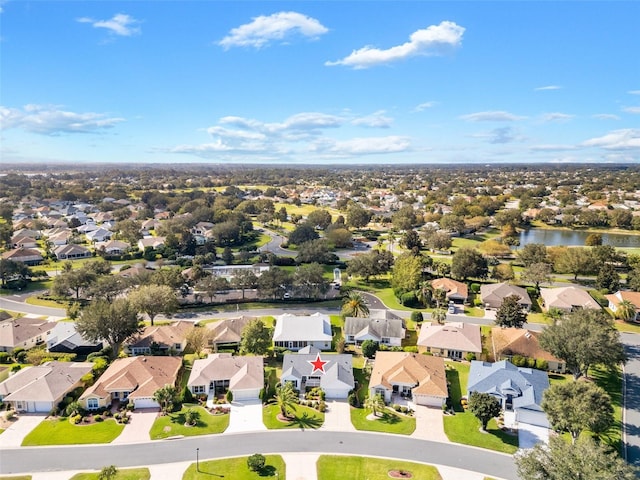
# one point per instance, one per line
(13, 436)
(137, 430)
(338, 417)
(530, 435)
(429, 424)
(246, 416)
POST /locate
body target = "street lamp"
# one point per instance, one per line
(198, 460)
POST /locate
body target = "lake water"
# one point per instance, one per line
(575, 238)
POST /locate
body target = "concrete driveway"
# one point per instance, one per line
(246, 416)
(137, 430)
(530, 435)
(429, 424)
(14, 435)
(338, 417)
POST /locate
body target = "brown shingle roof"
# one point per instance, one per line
(162, 335)
(518, 341)
(452, 336)
(403, 367)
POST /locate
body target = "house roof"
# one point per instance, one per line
(503, 378)
(621, 295)
(425, 371)
(22, 253)
(495, 293)
(16, 331)
(243, 373)
(161, 335)
(140, 375)
(66, 333)
(153, 242)
(316, 327)
(375, 327)
(519, 341)
(71, 249)
(229, 330)
(566, 298)
(338, 371)
(46, 382)
(452, 287)
(452, 336)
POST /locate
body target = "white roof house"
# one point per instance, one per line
(294, 332)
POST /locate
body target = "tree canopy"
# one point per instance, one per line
(256, 338)
(484, 406)
(510, 313)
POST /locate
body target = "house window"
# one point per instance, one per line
(351, 338)
(92, 403)
(385, 340)
(198, 389)
(177, 346)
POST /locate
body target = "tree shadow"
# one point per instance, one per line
(389, 418)
(268, 471)
(305, 421)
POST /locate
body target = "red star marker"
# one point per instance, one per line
(318, 364)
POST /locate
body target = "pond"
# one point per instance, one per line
(552, 237)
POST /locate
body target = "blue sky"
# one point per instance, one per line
(362, 82)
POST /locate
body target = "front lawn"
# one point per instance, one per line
(20, 477)
(303, 417)
(236, 469)
(388, 421)
(60, 431)
(174, 424)
(611, 382)
(331, 467)
(125, 474)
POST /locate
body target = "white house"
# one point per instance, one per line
(383, 328)
(219, 372)
(294, 332)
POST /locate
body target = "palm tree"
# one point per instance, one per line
(439, 315)
(626, 311)
(375, 403)
(424, 294)
(165, 397)
(354, 305)
(285, 398)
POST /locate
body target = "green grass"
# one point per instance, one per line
(362, 379)
(236, 469)
(611, 382)
(45, 303)
(59, 431)
(173, 424)
(474, 312)
(20, 477)
(332, 467)
(124, 474)
(388, 421)
(303, 417)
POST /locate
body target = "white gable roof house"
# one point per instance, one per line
(382, 329)
(335, 377)
(219, 372)
(294, 332)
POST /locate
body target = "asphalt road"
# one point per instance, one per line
(631, 414)
(94, 457)
(16, 304)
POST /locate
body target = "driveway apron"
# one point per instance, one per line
(137, 430)
(429, 424)
(14, 435)
(338, 417)
(246, 416)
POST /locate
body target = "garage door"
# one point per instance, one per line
(428, 401)
(43, 407)
(532, 417)
(145, 403)
(251, 394)
(336, 393)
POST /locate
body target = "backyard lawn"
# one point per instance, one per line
(611, 382)
(332, 467)
(59, 431)
(124, 474)
(388, 421)
(174, 424)
(464, 427)
(303, 417)
(236, 469)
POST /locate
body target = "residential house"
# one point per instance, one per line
(113, 247)
(59, 236)
(453, 340)
(220, 372)
(152, 242)
(456, 292)
(71, 251)
(230, 271)
(41, 388)
(518, 389)
(28, 256)
(227, 333)
(420, 378)
(509, 342)
(23, 241)
(148, 225)
(567, 299)
(27, 232)
(23, 332)
(99, 235)
(493, 294)
(132, 380)
(64, 338)
(88, 227)
(334, 372)
(620, 296)
(381, 326)
(164, 339)
(294, 332)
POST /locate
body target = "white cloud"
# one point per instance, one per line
(552, 148)
(120, 24)
(363, 146)
(606, 116)
(556, 117)
(547, 87)
(433, 40)
(424, 106)
(623, 139)
(631, 109)
(375, 120)
(491, 116)
(51, 120)
(211, 149)
(500, 135)
(265, 29)
(634, 92)
(222, 132)
(306, 121)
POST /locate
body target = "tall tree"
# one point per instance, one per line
(439, 315)
(197, 338)
(375, 403)
(285, 398)
(468, 262)
(584, 338)
(484, 406)
(537, 273)
(303, 233)
(577, 261)
(154, 299)
(577, 406)
(166, 397)
(244, 279)
(256, 338)
(112, 322)
(309, 281)
(584, 460)
(354, 305)
(406, 274)
(358, 217)
(319, 218)
(626, 311)
(274, 282)
(510, 313)
(533, 253)
(608, 279)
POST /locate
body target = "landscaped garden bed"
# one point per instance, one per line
(176, 424)
(387, 421)
(300, 416)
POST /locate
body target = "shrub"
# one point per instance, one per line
(97, 418)
(542, 364)
(353, 399)
(15, 368)
(229, 396)
(124, 419)
(322, 406)
(470, 356)
(108, 473)
(256, 462)
(416, 317)
(5, 357)
(20, 356)
(187, 396)
(369, 348)
(75, 419)
(10, 415)
(409, 299)
(410, 349)
(519, 361)
(396, 407)
(130, 406)
(475, 288)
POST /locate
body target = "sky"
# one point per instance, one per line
(319, 82)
